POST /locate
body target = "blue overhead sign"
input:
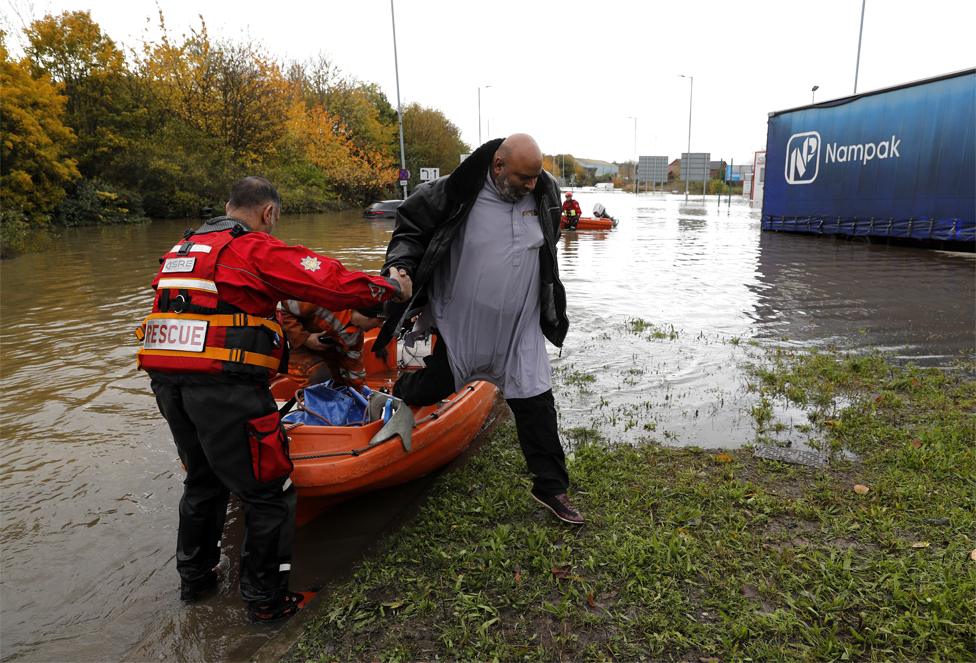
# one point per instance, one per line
(903, 158)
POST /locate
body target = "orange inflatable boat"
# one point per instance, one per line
(590, 223)
(333, 463)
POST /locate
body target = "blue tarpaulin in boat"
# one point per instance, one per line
(325, 405)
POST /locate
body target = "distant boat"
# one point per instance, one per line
(590, 223)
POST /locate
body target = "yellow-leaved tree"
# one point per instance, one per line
(34, 165)
(337, 165)
(90, 71)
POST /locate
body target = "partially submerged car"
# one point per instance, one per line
(384, 209)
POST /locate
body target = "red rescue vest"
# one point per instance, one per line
(191, 330)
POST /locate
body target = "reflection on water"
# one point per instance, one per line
(713, 286)
(90, 479)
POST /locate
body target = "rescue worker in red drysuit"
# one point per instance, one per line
(571, 212)
(210, 346)
(325, 344)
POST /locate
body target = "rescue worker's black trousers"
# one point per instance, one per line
(209, 425)
(535, 419)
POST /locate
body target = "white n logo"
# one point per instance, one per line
(803, 157)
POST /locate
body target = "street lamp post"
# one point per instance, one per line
(813, 93)
(860, 33)
(396, 68)
(479, 111)
(691, 94)
(636, 158)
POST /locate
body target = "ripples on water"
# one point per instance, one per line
(90, 479)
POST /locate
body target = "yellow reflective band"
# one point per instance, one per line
(234, 355)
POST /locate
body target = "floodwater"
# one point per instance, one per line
(664, 310)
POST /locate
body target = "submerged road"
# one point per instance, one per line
(664, 310)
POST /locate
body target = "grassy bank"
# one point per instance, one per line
(696, 555)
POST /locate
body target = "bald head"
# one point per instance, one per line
(516, 166)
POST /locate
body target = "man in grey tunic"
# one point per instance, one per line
(480, 248)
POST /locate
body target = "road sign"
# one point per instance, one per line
(694, 166)
(404, 175)
(652, 169)
(428, 174)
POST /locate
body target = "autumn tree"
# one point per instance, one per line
(34, 163)
(432, 141)
(90, 71)
(318, 155)
(175, 122)
(233, 92)
(213, 112)
(361, 111)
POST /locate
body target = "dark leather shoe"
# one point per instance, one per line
(561, 507)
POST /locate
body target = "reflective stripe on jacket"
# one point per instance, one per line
(344, 357)
(192, 330)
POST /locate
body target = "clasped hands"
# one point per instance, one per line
(406, 284)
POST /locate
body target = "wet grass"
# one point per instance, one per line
(649, 330)
(691, 554)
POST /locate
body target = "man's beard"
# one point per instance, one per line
(506, 191)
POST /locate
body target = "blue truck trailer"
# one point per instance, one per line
(893, 163)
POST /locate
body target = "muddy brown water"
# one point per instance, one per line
(90, 480)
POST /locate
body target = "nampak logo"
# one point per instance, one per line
(803, 157)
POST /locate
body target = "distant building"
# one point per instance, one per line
(741, 170)
(599, 168)
(758, 178)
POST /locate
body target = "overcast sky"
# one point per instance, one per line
(574, 74)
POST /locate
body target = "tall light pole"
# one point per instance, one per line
(396, 68)
(813, 93)
(479, 111)
(691, 94)
(860, 33)
(636, 159)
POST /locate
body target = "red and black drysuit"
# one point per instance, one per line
(210, 346)
(571, 213)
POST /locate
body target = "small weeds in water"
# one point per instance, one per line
(692, 554)
(573, 378)
(637, 325)
(656, 332)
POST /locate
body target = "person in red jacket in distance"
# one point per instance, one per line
(210, 345)
(571, 211)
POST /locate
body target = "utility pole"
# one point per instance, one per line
(636, 158)
(396, 69)
(479, 111)
(731, 171)
(691, 94)
(860, 33)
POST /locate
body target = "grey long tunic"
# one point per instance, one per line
(485, 297)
